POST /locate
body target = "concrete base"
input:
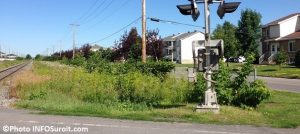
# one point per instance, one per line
(205, 108)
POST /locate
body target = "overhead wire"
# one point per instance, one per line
(101, 11)
(88, 11)
(110, 35)
(109, 15)
(93, 12)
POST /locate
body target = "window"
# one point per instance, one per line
(292, 46)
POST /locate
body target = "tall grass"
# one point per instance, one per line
(133, 90)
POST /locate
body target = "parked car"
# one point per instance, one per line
(240, 59)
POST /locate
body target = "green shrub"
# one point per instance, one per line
(223, 85)
(138, 88)
(79, 60)
(159, 69)
(252, 95)
(297, 59)
(281, 58)
(235, 91)
(196, 94)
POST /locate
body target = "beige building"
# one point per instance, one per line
(281, 35)
(178, 47)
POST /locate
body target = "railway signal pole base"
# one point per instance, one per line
(210, 105)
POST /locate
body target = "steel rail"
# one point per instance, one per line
(4, 73)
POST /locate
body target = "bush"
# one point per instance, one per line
(281, 58)
(159, 69)
(252, 95)
(78, 60)
(297, 59)
(223, 87)
(196, 94)
(235, 91)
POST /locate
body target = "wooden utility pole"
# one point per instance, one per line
(74, 43)
(144, 31)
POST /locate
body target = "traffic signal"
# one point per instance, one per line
(190, 9)
(227, 8)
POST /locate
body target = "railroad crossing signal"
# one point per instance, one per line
(224, 7)
(190, 9)
(227, 8)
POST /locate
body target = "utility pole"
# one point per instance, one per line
(74, 31)
(144, 31)
(60, 41)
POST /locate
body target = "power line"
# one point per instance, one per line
(94, 11)
(109, 15)
(88, 11)
(117, 31)
(107, 6)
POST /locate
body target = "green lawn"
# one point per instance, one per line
(284, 71)
(281, 110)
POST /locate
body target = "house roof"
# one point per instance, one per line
(295, 35)
(281, 19)
(96, 47)
(180, 36)
(11, 55)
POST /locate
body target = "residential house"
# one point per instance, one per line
(2, 55)
(96, 47)
(281, 35)
(178, 47)
(11, 56)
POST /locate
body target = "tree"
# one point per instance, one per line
(28, 57)
(126, 44)
(154, 44)
(38, 57)
(129, 45)
(249, 31)
(227, 32)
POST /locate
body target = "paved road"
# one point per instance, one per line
(22, 118)
(292, 85)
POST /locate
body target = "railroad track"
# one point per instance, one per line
(11, 70)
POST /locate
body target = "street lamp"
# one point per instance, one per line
(210, 103)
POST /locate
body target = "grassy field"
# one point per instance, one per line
(285, 71)
(37, 91)
(6, 64)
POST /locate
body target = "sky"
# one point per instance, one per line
(35, 26)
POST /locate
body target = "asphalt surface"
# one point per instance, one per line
(16, 120)
(291, 85)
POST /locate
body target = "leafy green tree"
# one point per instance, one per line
(227, 32)
(249, 31)
(38, 57)
(28, 57)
